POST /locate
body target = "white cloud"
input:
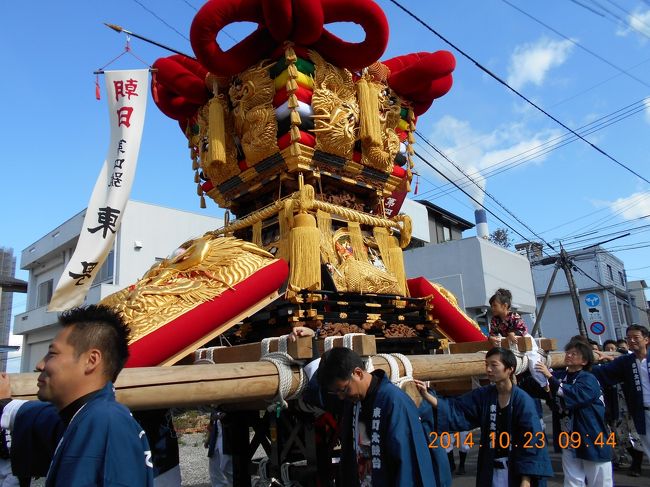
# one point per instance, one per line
(634, 206)
(638, 22)
(646, 102)
(530, 63)
(474, 151)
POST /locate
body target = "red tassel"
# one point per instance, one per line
(97, 90)
(417, 183)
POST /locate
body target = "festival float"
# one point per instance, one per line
(307, 141)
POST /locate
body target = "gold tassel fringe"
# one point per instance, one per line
(356, 240)
(370, 130)
(257, 233)
(397, 264)
(324, 221)
(305, 253)
(381, 238)
(285, 217)
(216, 132)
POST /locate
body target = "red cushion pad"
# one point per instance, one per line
(454, 323)
(166, 341)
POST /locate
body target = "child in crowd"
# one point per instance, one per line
(508, 324)
(505, 323)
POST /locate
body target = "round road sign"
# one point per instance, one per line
(597, 328)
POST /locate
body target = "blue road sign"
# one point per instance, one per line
(592, 300)
(597, 328)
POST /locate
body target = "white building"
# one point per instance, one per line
(639, 306)
(148, 233)
(603, 295)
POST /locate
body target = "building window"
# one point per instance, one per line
(609, 272)
(44, 294)
(621, 278)
(105, 273)
(446, 234)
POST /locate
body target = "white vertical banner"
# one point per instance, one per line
(127, 102)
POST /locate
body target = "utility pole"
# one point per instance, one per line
(538, 318)
(563, 261)
(566, 264)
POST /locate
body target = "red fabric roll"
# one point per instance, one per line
(180, 86)
(207, 186)
(305, 138)
(278, 18)
(421, 77)
(214, 16)
(351, 55)
(454, 323)
(303, 94)
(168, 340)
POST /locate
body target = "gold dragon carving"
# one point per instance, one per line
(215, 171)
(359, 276)
(381, 154)
(251, 95)
(336, 111)
(206, 268)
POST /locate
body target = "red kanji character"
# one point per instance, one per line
(124, 116)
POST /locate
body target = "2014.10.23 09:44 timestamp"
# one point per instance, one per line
(530, 439)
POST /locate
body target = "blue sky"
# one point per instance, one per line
(55, 133)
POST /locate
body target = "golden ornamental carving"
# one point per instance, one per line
(336, 111)
(362, 276)
(380, 152)
(205, 268)
(251, 96)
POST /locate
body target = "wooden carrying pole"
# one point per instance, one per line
(245, 382)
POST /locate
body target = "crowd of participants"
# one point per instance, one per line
(78, 435)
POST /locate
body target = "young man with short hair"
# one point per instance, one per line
(578, 407)
(383, 443)
(78, 434)
(632, 371)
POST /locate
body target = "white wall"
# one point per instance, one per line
(473, 269)
(158, 230)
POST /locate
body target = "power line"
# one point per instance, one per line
(459, 169)
(162, 20)
(520, 95)
(469, 196)
(577, 44)
(554, 143)
(605, 288)
(222, 30)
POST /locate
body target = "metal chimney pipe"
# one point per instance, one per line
(480, 217)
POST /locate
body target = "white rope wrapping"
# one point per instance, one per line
(522, 362)
(265, 344)
(283, 362)
(392, 364)
(348, 339)
(328, 343)
(408, 369)
(205, 355)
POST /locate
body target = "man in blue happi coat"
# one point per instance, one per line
(512, 449)
(383, 443)
(576, 399)
(632, 371)
(79, 435)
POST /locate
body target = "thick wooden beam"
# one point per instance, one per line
(525, 344)
(240, 383)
